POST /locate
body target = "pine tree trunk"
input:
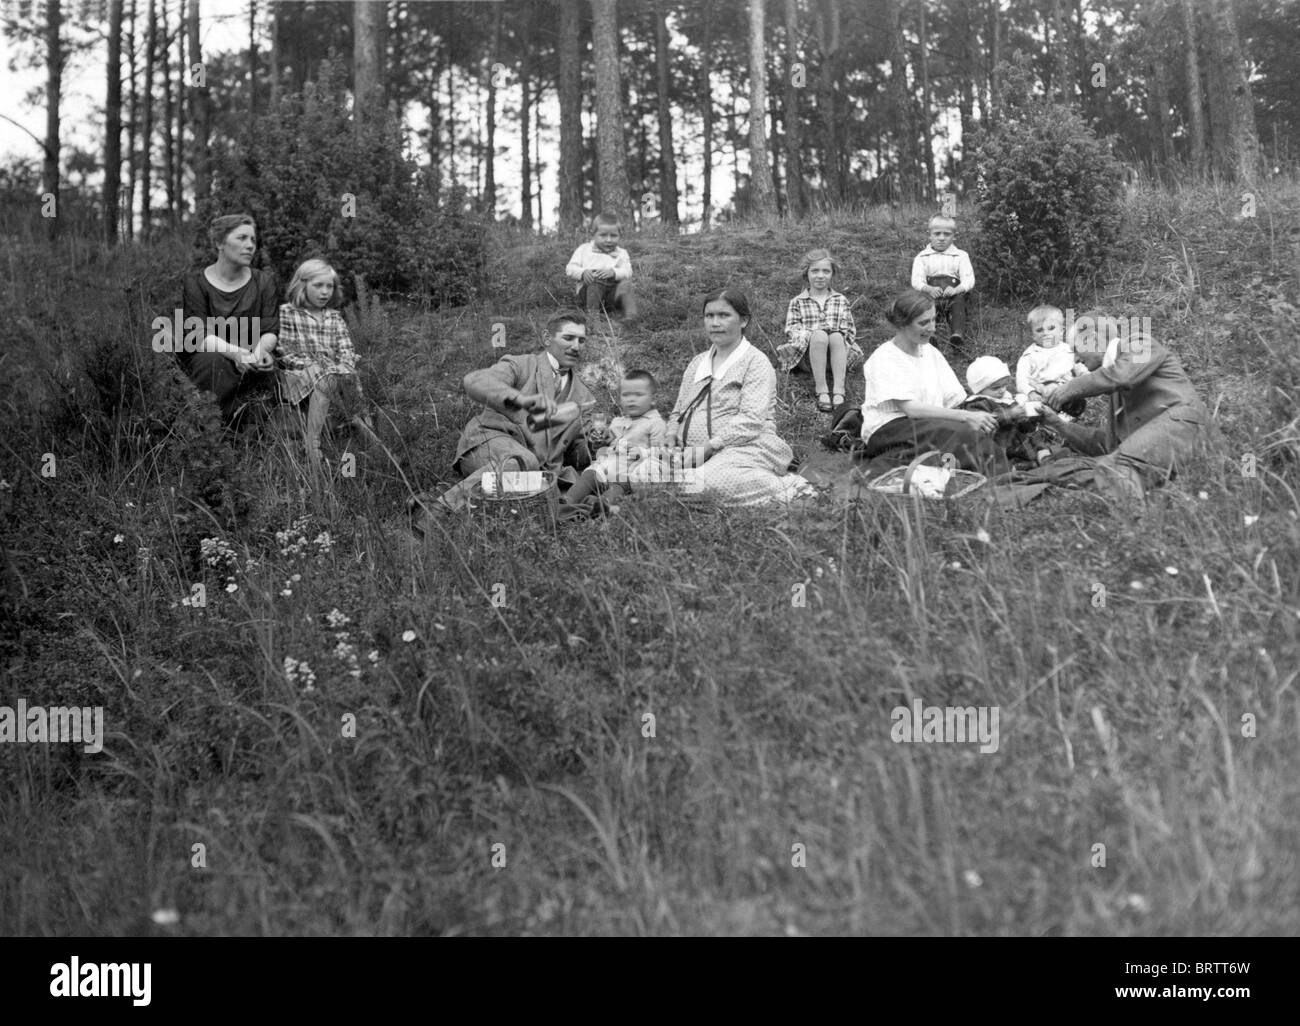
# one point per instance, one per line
(760, 173)
(667, 159)
(706, 102)
(570, 88)
(54, 58)
(199, 113)
(179, 163)
(525, 136)
(274, 69)
(995, 55)
(901, 104)
(795, 187)
(1061, 55)
(252, 66)
(146, 132)
(132, 127)
(113, 125)
(369, 19)
(1195, 102)
(1237, 156)
(489, 200)
(168, 140)
(828, 37)
(966, 93)
(927, 144)
(449, 31)
(615, 195)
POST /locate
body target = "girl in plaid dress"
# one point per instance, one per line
(317, 354)
(818, 325)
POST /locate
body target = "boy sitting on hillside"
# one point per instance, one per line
(603, 271)
(944, 273)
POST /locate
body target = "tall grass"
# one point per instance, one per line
(770, 798)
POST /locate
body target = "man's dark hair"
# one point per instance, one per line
(564, 317)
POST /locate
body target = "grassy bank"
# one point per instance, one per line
(769, 648)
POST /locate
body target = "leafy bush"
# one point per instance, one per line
(321, 185)
(1048, 194)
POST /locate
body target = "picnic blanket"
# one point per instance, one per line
(847, 476)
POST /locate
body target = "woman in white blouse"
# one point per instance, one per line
(723, 416)
(912, 395)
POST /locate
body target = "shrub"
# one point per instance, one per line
(320, 185)
(1048, 195)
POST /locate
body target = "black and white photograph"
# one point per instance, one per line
(652, 469)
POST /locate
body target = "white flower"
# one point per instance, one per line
(297, 671)
(232, 587)
(166, 916)
(336, 619)
(373, 656)
(1249, 519)
(118, 539)
(323, 542)
(1138, 904)
(1136, 585)
(1172, 571)
(1202, 495)
(972, 878)
(408, 636)
(286, 592)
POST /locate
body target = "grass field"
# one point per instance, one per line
(465, 751)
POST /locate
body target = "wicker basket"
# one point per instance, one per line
(543, 502)
(900, 480)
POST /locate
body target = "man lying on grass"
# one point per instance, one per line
(532, 419)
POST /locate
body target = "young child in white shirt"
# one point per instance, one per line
(638, 434)
(1047, 362)
(603, 271)
(944, 273)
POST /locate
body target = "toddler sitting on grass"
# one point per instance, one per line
(1047, 362)
(638, 434)
(1020, 433)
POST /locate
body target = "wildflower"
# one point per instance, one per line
(972, 878)
(118, 539)
(373, 656)
(1202, 495)
(323, 542)
(166, 916)
(1172, 571)
(216, 552)
(408, 636)
(336, 619)
(1138, 904)
(232, 587)
(1136, 585)
(296, 578)
(439, 627)
(982, 536)
(286, 592)
(817, 571)
(297, 671)
(1249, 519)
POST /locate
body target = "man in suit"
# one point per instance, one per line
(510, 390)
(516, 386)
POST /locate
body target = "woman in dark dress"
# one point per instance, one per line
(240, 311)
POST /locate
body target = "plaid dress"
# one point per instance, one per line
(807, 315)
(311, 349)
